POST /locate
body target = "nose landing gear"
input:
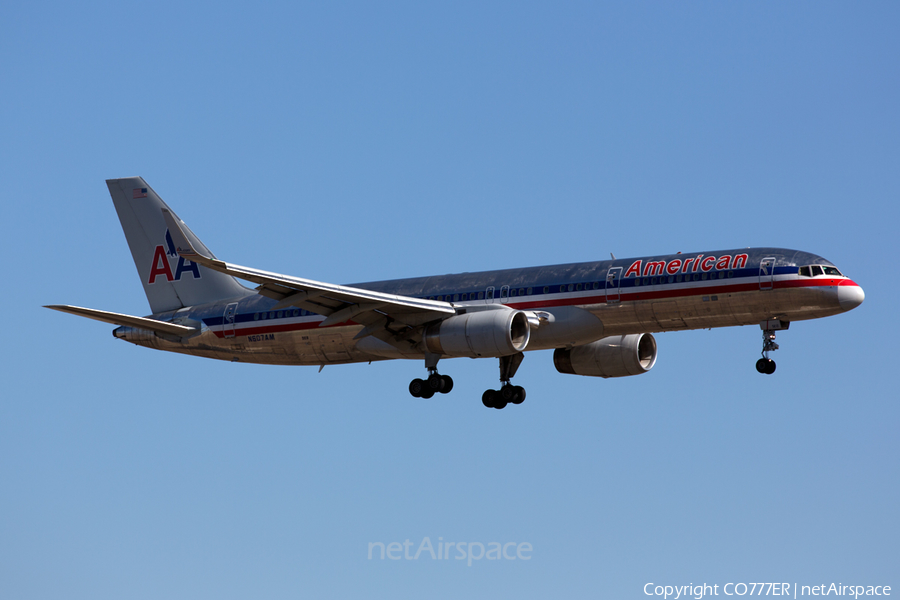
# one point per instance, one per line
(765, 364)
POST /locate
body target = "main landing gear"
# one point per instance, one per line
(765, 364)
(436, 383)
(426, 388)
(508, 393)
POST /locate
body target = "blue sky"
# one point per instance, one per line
(353, 142)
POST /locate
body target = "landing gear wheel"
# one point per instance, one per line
(518, 395)
(448, 384)
(493, 399)
(416, 387)
(765, 365)
(427, 393)
(435, 383)
(507, 393)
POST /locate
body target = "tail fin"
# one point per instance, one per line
(170, 282)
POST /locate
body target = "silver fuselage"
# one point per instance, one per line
(576, 303)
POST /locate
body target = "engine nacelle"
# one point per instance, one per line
(498, 332)
(614, 356)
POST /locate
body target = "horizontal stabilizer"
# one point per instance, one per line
(126, 320)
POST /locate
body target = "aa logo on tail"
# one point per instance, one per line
(170, 245)
(161, 265)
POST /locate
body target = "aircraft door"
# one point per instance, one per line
(767, 273)
(613, 280)
(230, 311)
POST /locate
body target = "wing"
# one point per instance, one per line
(338, 303)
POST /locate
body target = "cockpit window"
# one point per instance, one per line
(813, 270)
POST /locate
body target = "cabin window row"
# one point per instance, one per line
(683, 278)
(548, 289)
(281, 314)
(578, 287)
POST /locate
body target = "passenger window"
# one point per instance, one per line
(816, 270)
(256, 316)
(481, 295)
(578, 287)
(546, 289)
(512, 292)
(528, 291)
(637, 282)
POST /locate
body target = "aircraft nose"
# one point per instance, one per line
(850, 295)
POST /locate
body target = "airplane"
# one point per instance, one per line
(597, 317)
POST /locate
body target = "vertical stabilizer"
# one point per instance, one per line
(170, 281)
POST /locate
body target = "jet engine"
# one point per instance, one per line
(613, 356)
(498, 332)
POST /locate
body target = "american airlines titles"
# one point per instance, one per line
(641, 268)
